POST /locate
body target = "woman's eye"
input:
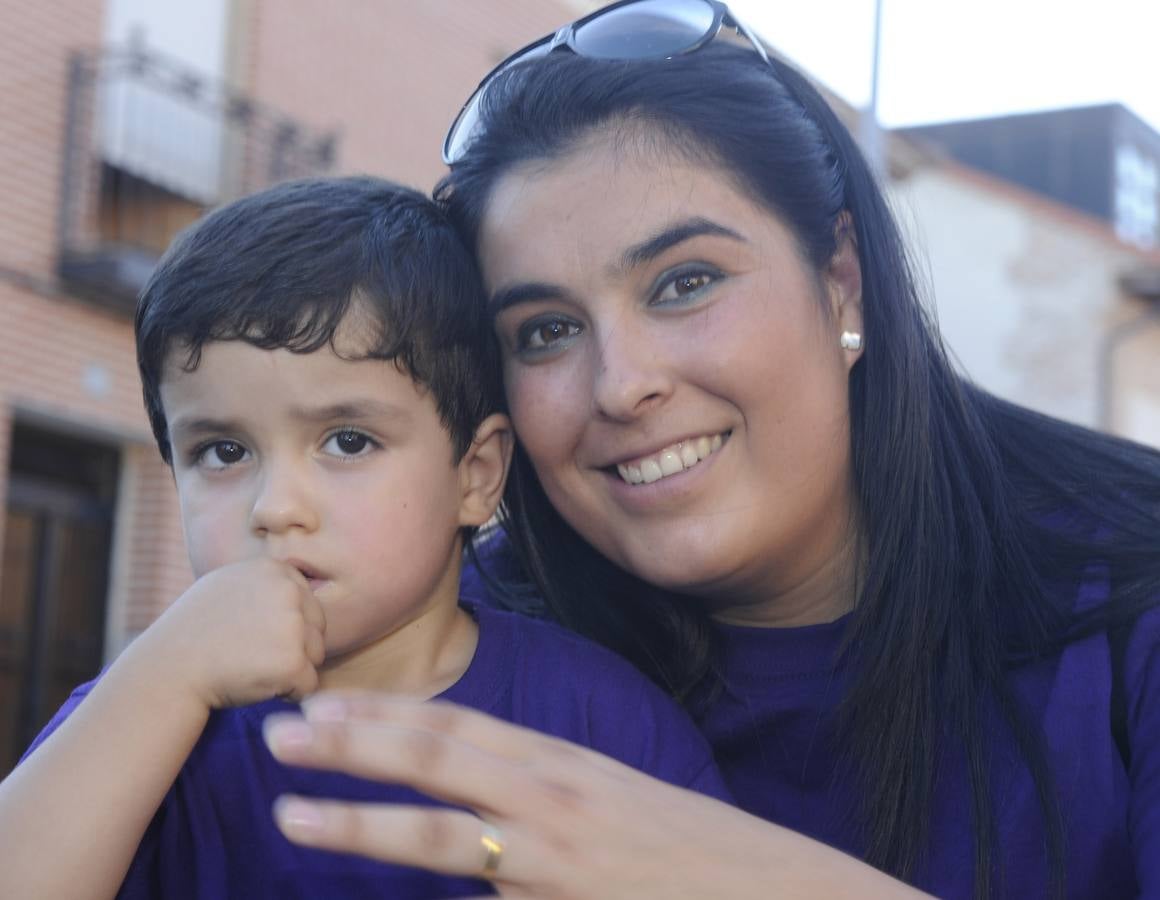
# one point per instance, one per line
(545, 333)
(348, 442)
(684, 285)
(221, 454)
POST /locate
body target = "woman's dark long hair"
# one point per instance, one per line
(973, 511)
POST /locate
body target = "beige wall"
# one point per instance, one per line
(67, 364)
(33, 74)
(389, 76)
(1026, 291)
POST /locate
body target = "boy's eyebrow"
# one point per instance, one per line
(193, 425)
(636, 255)
(351, 411)
(356, 410)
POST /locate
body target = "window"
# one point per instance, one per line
(149, 130)
(1137, 197)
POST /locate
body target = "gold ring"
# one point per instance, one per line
(492, 843)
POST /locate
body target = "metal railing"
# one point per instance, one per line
(148, 146)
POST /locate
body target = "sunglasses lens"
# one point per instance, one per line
(648, 29)
(645, 29)
(463, 131)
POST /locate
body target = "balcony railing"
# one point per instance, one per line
(149, 145)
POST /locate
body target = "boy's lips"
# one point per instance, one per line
(314, 577)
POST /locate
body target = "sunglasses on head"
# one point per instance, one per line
(629, 29)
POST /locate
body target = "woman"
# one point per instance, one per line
(915, 621)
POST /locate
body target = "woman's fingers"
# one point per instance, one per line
(567, 816)
(469, 726)
(434, 763)
(448, 841)
(570, 823)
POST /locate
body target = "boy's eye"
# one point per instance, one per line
(348, 443)
(546, 333)
(221, 454)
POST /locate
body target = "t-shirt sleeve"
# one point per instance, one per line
(73, 701)
(1142, 683)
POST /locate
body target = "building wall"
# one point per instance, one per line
(71, 368)
(34, 73)
(1026, 293)
(67, 364)
(389, 76)
(1103, 160)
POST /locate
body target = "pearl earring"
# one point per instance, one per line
(850, 340)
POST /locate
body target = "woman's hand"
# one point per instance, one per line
(570, 822)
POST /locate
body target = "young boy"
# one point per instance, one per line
(318, 372)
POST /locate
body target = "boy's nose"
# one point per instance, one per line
(283, 503)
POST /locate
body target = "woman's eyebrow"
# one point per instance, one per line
(528, 292)
(654, 246)
(635, 255)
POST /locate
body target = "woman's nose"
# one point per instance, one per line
(633, 374)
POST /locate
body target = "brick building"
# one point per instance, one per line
(123, 120)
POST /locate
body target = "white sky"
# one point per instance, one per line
(955, 60)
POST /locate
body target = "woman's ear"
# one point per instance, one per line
(483, 470)
(843, 279)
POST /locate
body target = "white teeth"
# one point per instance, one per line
(670, 460)
(650, 470)
(631, 474)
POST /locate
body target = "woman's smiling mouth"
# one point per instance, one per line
(671, 460)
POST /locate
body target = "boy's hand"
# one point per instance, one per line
(241, 634)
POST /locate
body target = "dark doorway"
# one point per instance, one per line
(55, 577)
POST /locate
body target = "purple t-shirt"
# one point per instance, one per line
(214, 836)
(773, 733)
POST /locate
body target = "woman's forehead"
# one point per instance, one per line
(605, 196)
(615, 145)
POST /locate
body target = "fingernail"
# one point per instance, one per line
(297, 818)
(287, 735)
(324, 709)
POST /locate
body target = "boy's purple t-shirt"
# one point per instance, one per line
(214, 835)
